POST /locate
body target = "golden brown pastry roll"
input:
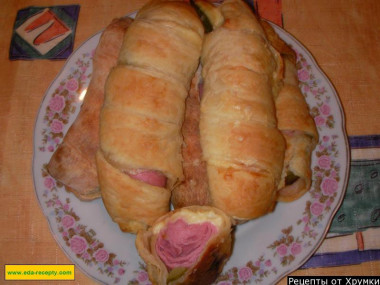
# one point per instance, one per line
(295, 123)
(298, 128)
(241, 144)
(189, 245)
(73, 163)
(139, 159)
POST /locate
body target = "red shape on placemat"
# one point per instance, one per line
(270, 10)
(360, 241)
(41, 20)
(56, 29)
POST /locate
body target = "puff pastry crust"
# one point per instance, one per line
(211, 256)
(140, 122)
(73, 163)
(241, 144)
(295, 123)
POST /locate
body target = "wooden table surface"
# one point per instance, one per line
(343, 36)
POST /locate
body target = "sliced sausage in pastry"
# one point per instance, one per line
(139, 159)
(189, 245)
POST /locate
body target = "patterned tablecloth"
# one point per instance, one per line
(354, 233)
(353, 237)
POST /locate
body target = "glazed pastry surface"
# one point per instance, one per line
(139, 159)
(241, 143)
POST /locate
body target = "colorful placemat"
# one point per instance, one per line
(355, 229)
(361, 206)
(44, 32)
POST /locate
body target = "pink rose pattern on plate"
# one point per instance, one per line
(251, 272)
(79, 240)
(285, 249)
(63, 103)
(140, 276)
(310, 85)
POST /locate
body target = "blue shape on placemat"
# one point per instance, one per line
(342, 258)
(22, 44)
(370, 141)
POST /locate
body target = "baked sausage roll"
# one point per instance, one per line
(73, 163)
(298, 128)
(241, 144)
(296, 125)
(139, 160)
(189, 245)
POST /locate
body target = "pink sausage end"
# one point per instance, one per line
(151, 177)
(180, 244)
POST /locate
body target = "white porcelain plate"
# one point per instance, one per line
(265, 249)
